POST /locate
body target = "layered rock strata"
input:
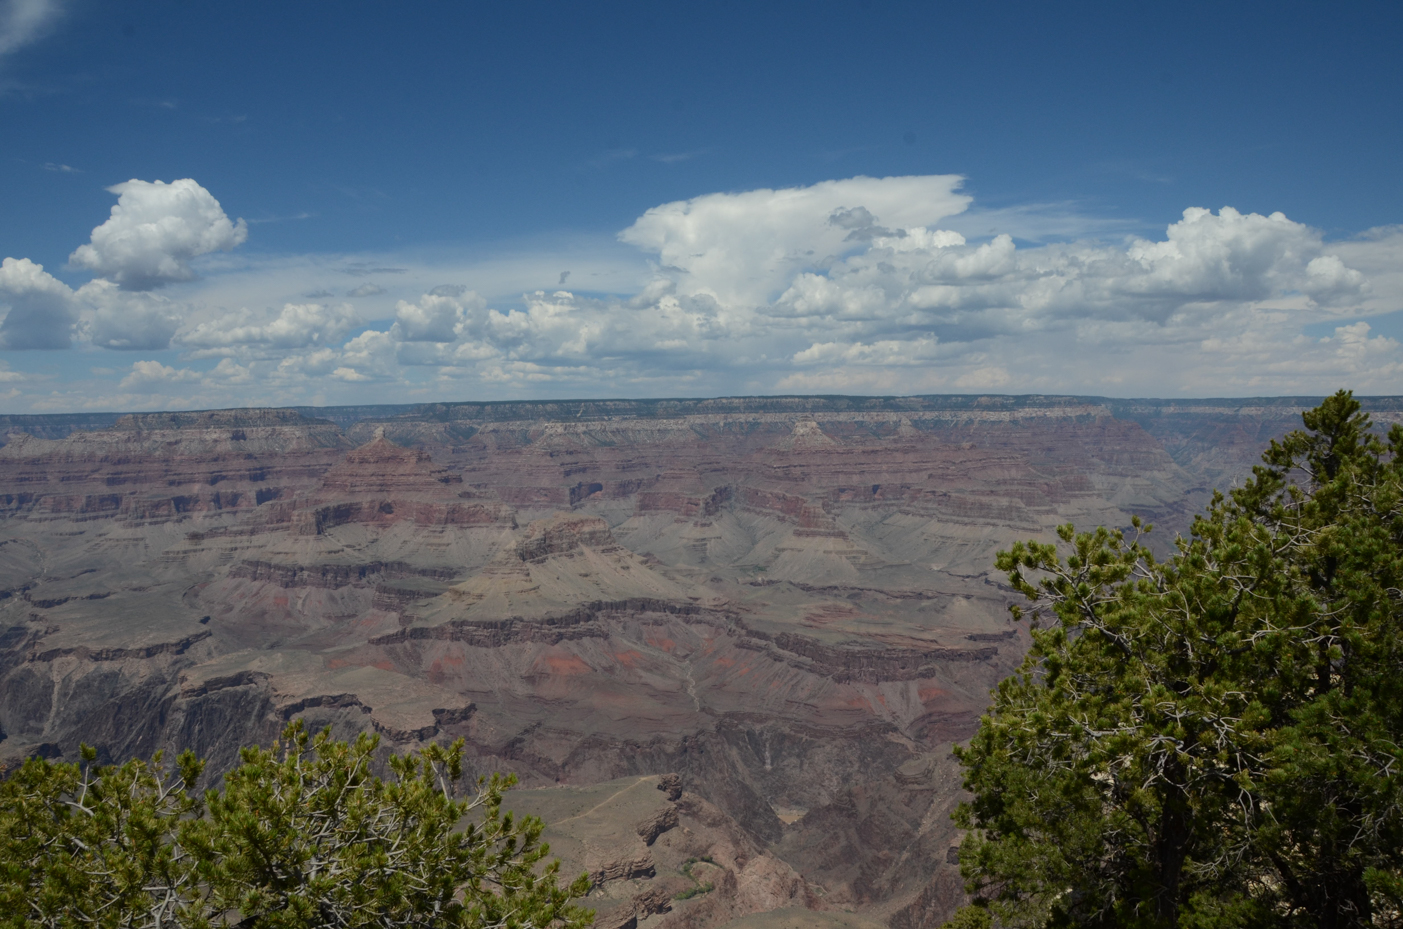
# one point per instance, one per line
(779, 612)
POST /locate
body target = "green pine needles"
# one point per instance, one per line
(1215, 740)
(302, 835)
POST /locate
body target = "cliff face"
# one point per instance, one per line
(788, 603)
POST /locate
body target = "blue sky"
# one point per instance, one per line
(376, 202)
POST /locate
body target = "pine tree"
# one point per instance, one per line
(302, 835)
(1216, 739)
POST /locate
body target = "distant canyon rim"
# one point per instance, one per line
(726, 645)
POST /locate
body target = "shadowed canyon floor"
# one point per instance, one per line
(726, 645)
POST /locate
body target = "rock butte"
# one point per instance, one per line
(780, 612)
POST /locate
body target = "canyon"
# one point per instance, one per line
(725, 645)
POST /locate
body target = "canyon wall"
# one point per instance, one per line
(778, 612)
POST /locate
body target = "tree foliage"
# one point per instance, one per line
(303, 834)
(1215, 739)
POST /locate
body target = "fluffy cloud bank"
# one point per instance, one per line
(851, 285)
(154, 232)
(299, 325)
(1206, 264)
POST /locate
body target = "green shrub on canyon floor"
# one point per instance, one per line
(1215, 739)
(301, 835)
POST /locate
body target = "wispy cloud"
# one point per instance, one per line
(281, 219)
(612, 156)
(1042, 222)
(26, 21)
(365, 269)
(1138, 171)
(672, 158)
(166, 103)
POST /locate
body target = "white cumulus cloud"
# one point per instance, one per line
(1208, 265)
(155, 230)
(146, 375)
(130, 320)
(43, 311)
(298, 325)
(437, 316)
(742, 248)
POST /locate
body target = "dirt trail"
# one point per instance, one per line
(602, 803)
